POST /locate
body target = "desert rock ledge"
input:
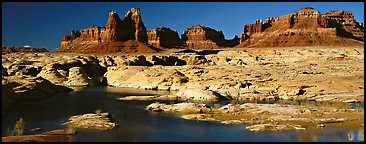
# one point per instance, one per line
(91, 121)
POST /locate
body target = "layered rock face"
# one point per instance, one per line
(306, 27)
(164, 37)
(201, 37)
(127, 35)
(17, 88)
(12, 49)
(345, 24)
(133, 21)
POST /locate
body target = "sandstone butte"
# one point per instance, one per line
(306, 27)
(127, 35)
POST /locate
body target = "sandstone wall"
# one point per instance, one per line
(127, 35)
(201, 37)
(164, 37)
(306, 27)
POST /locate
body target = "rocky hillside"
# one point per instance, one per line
(307, 27)
(201, 37)
(164, 37)
(12, 49)
(127, 35)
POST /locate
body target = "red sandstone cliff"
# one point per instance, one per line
(127, 35)
(201, 37)
(306, 27)
(164, 37)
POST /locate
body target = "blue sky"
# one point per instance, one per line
(43, 24)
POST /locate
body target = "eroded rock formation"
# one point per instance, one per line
(127, 35)
(164, 37)
(99, 121)
(306, 27)
(201, 37)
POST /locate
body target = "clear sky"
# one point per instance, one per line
(43, 24)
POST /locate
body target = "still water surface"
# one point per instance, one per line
(137, 124)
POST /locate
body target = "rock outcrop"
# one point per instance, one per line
(36, 138)
(12, 49)
(155, 77)
(265, 117)
(127, 35)
(179, 107)
(78, 77)
(100, 121)
(200, 95)
(201, 37)
(21, 87)
(164, 37)
(346, 24)
(307, 27)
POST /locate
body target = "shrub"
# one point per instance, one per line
(217, 105)
(19, 127)
(9, 132)
(98, 111)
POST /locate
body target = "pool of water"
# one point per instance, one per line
(137, 124)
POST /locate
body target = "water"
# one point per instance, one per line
(137, 124)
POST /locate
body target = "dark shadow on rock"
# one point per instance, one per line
(202, 52)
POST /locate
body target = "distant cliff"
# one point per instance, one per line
(12, 49)
(307, 27)
(202, 37)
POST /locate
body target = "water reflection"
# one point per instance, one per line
(324, 134)
(351, 135)
(137, 124)
(356, 135)
(361, 135)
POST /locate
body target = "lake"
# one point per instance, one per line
(137, 125)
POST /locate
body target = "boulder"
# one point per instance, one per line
(166, 60)
(200, 95)
(52, 74)
(78, 77)
(158, 97)
(155, 77)
(20, 69)
(117, 75)
(273, 127)
(184, 107)
(196, 60)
